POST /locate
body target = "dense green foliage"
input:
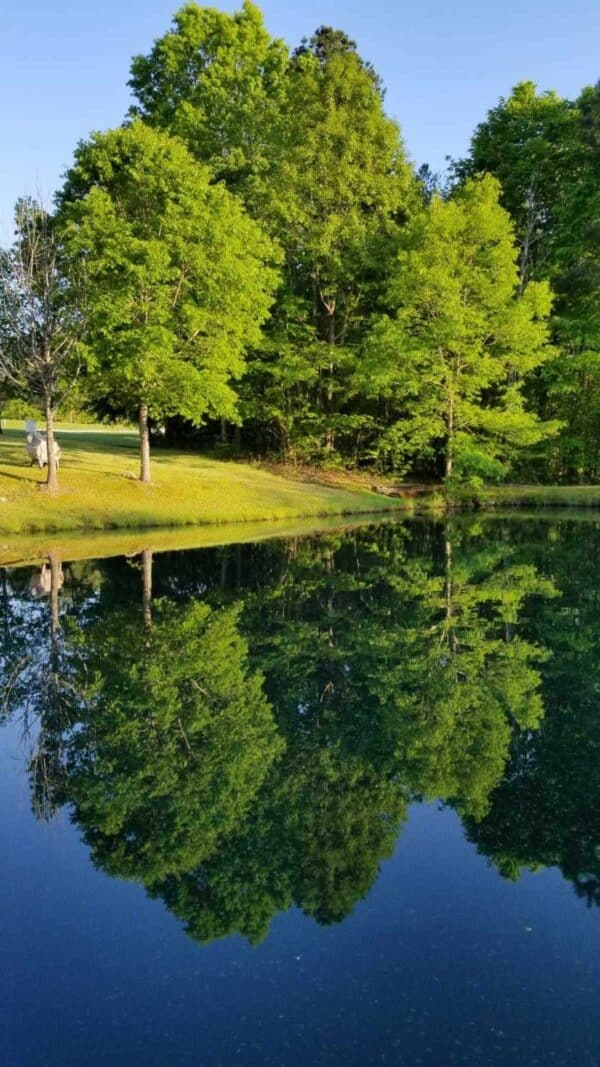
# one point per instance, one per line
(251, 738)
(345, 367)
(452, 357)
(545, 151)
(176, 272)
(266, 267)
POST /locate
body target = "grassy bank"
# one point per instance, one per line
(542, 496)
(99, 490)
(18, 550)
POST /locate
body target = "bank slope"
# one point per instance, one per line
(99, 490)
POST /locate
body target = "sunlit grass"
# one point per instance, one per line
(99, 490)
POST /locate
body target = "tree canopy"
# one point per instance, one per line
(178, 276)
(268, 268)
(453, 355)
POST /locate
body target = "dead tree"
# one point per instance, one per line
(41, 317)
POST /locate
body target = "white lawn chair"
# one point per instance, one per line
(36, 446)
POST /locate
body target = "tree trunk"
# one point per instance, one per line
(144, 444)
(448, 582)
(331, 340)
(449, 442)
(147, 587)
(55, 574)
(52, 475)
(451, 634)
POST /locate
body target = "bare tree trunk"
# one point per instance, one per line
(449, 460)
(526, 256)
(448, 591)
(331, 340)
(147, 587)
(55, 584)
(448, 583)
(144, 444)
(52, 475)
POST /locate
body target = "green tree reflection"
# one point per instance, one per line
(392, 677)
(174, 739)
(257, 749)
(546, 810)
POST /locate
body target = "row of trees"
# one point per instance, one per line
(253, 247)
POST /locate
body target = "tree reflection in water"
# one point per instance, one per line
(243, 729)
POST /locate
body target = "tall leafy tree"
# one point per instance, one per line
(451, 356)
(178, 276)
(214, 80)
(339, 187)
(544, 151)
(546, 810)
(571, 384)
(306, 143)
(527, 142)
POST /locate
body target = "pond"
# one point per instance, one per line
(322, 800)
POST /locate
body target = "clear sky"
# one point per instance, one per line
(64, 66)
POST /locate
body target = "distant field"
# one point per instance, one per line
(99, 490)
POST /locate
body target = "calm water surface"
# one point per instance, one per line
(324, 801)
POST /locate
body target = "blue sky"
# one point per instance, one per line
(64, 66)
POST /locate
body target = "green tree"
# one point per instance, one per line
(546, 810)
(214, 81)
(337, 192)
(416, 665)
(306, 143)
(178, 276)
(527, 142)
(544, 150)
(571, 382)
(314, 838)
(451, 356)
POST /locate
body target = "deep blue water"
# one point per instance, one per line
(373, 899)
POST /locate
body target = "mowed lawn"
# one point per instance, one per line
(99, 488)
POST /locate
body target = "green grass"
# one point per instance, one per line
(99, 489)
(543, 496)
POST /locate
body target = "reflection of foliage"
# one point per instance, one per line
(469, 679)
(257, 749)
(546, 811)
(175, 739)
(314, 838)
(390, 677)
(420, 669)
